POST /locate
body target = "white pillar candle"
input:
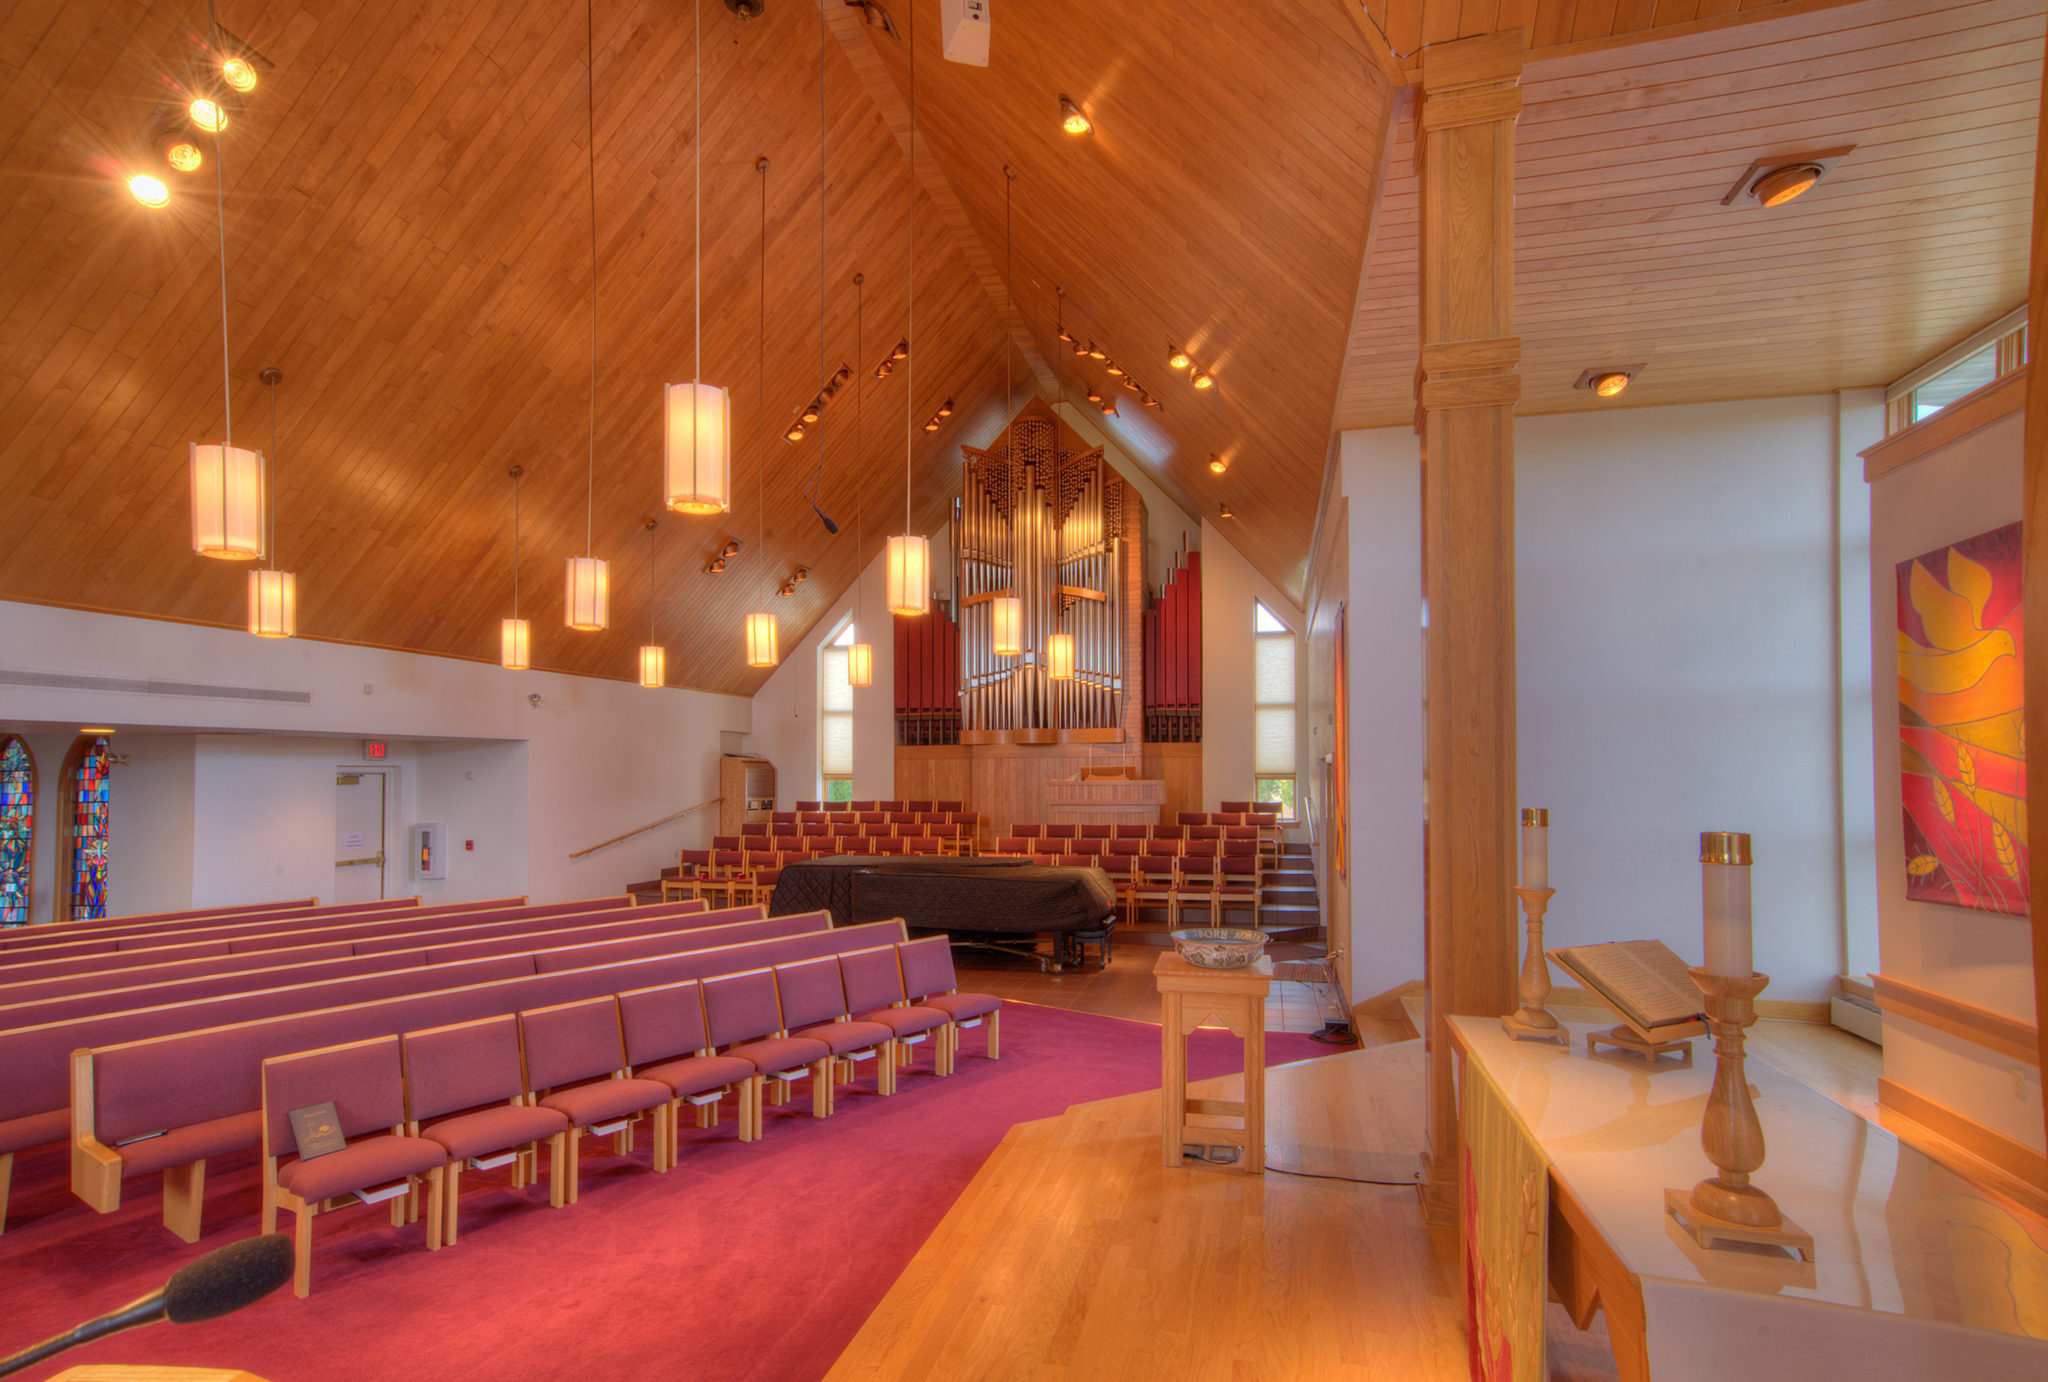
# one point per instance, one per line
(1535, 847)
(1724, 903)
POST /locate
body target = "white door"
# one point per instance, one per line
(358, 836)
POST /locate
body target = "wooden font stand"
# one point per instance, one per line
(1189, 995)
(1534, 1021)
(1725, 1210)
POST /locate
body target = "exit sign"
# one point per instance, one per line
(373, 749)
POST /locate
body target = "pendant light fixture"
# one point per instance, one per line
(513, 634)
(1006, 612)
(228, 481)
(910, 554)
(761, 649)
(697, 417)
(860, 658)
(273, 594)
(1059, 657)
(588, 593)
(653, 657)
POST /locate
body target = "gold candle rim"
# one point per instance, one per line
(1536, 815)
(1724, 847)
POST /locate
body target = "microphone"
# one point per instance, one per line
(825, 519)
(219, 1283)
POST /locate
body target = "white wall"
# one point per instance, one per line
(1677, 669)
(1229, 587)
(150, 824)
(1380, 475)
(1859, 424)
(786, 707)
(600, 757)
(1984, 958)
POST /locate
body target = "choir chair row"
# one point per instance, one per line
(1205, 879)
(838, 806)
(415, 1109)
(959, 835)
(1160, 838)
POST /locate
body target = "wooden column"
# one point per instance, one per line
(2034, 535)
(1465, 392)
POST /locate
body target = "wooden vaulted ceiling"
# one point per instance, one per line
(409, 242)
(408, 226)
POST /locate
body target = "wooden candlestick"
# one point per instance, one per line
(1534, 1022)
(1725, 1207)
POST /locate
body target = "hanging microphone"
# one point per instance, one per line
(825, 519)
(219, 1283)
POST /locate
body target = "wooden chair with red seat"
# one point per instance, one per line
(1131, 832)
(928, 980)
(922, 844)
(574, 1057)
(743, 1018)
(873, 981)
(1153, 877)
(366, 1084)
(814, 1005)
(1104, 831)
(464, 1089)
(665, 1040)
(1200, 872)
(1027, 832)
(1239, 879)
(1059, 832)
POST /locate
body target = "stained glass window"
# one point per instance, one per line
(17, 830)
(88, 803)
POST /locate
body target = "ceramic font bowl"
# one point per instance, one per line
(1219, 947)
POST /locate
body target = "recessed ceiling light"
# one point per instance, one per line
(1176, 357)
(148, 190)
(1218, 464)
(1607, 380)
(1225, 511)
(1779, 178)
(1202, 381)
(208, 114)
(1072, 120)
(184, 155)
(239, 73)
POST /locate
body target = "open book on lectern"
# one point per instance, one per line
(1645, 982)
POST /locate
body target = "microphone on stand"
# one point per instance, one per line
(219, 1283)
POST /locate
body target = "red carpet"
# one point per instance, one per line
(756, 1261)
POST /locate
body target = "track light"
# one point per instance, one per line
(1080, 351)
(1176, 357)
(1094, 397)
(717, 567)
(1223, 511)
(1109, 410)
(932, 425)
(1072, 120)
(812, 409)
(1217, 464)
(946, 408)
(731, 548)
(1096, 352)
(901, 352)
(795, 432)
(1201, 380)
(1115, 369)
(1148, 400)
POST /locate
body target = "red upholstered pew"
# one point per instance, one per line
(569, 929)
(169, 1102)
(255, 935)
(34, 1092)
(126, 969)
(103, 928)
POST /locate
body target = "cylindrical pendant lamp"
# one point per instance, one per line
(273, 604)
(761, 640)
(1006, 625)
(909, 574)
(697, 448)
(512, 645)
(227, 502)
(653, 665)
(1059, 657)
(860, 665)
(589, 603)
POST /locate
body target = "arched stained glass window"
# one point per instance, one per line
(17, 830)
(85, 822)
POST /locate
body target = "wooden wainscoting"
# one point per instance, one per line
(1179, 766)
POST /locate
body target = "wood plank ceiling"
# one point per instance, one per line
(1624, 254)
(409, 241)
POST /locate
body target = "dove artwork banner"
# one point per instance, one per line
(1962, 742)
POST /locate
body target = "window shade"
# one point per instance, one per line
(835, 720)
(1273, 696)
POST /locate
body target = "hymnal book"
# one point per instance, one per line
(1644, 982)
(317, 1130)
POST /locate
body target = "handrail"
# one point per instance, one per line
(676, 816)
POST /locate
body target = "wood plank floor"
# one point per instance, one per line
(1075, 1255)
